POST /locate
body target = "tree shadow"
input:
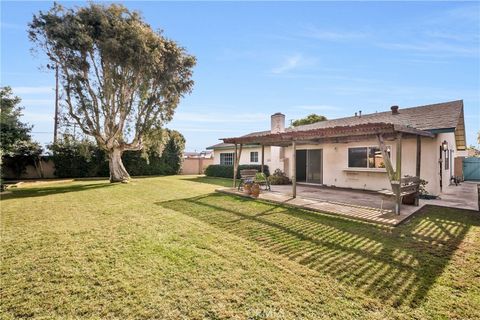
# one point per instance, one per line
(396, 265)
(42, 191)
(223, 182)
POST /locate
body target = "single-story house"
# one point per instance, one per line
(349, 152)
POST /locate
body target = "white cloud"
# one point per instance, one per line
(332, 35)
(37, 117)
(293, 62)
(33, 90)
(433, 47)
(318, 107)
(38, 102)
(220, 118)
(189, 129)
(288, 64)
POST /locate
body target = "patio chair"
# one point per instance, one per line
(262, 180)
(405, 187)
(246, 175)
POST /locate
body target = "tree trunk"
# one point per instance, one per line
(118, 173)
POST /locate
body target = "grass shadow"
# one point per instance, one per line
(396, 265)
(222, 182)
(42, 191)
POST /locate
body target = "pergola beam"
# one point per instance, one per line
(335, 134)
(294, 169)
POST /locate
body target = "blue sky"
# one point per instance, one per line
(255, 59)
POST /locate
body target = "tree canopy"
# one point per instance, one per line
(17, 150)
(121, 80)
(311, 118)
(12, 129)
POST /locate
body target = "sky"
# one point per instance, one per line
(258, 58)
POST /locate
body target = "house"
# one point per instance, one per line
(349, 152)
(194, 155)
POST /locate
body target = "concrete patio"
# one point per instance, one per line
(362, 205)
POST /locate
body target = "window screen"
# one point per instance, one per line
(226, 159)
(254, 156)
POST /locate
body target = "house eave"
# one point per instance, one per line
(337, 134)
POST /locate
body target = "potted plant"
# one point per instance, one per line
(247, 187)
(255, 190)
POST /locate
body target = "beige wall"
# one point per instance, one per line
(335, 162)
(273, 156)
(195, 165)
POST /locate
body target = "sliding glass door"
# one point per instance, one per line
(314, 166)
(309, 166)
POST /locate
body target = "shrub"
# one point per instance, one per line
(278, 177)
(22, 154)
(219, 170)
(76, 159)
(224, 171)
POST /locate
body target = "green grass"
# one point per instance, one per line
(171, 248)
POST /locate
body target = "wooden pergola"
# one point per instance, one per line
(340, 134)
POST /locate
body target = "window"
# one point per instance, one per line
(447, 159)
(226, 159)
(254, 156)
(357, 157)
(366, 157)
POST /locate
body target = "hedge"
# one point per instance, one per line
(224, 171)
(77, 159)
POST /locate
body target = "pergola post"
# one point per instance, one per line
(263, 156)
(417, 168)
(294, 169)
(398, 174)
(395, 176)
(236, 162)
(235, 167)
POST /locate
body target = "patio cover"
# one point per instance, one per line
(329, 135)
(339, 134)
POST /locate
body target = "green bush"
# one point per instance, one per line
(278, 177)
(77, 159)
(219, 170)
(224, 171)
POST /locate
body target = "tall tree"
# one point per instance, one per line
(311, 118)
(12, 129)
(121, 79)
(17, 150)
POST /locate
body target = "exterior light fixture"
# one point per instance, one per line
(444, 145)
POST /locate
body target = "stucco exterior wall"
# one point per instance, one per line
(335, 162)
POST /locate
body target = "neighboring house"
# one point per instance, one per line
(193, 155)
(347, 152)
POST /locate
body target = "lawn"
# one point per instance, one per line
(172, 248)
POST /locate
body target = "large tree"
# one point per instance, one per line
(311, 118)
(17, 150)
(121, 80)
(12, 129)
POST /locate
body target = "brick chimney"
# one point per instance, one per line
(278, 122)
(394, 109)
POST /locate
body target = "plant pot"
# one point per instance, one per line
(409, 199)
(255, 190)
(247, 188)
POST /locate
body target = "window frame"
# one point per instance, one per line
(255, 155)
(369, 147)
(228, 155)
